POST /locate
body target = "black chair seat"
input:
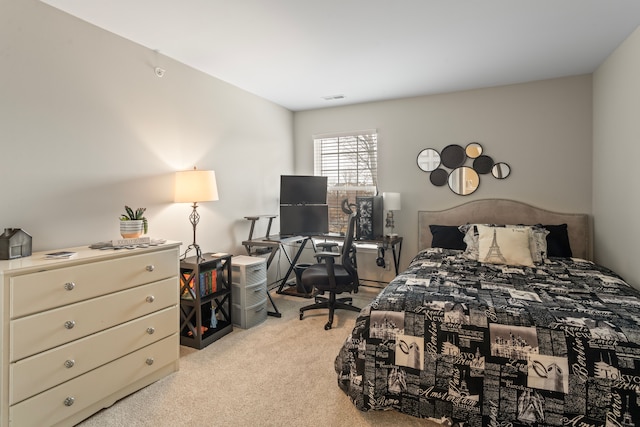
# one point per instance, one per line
(316, 275)
(334, 278)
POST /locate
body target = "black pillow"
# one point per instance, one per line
(558, 241)
(447, 237)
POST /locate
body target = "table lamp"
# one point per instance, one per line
(195, 186)
(391, 203)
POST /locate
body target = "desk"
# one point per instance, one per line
(272, 244)
(393, 242)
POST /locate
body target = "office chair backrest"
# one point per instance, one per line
(348, 249)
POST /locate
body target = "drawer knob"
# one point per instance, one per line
(69, 324)
(151, 331)
(69, 363)
(149, 361)
(69, 401)
(151, 299)
(69, 286)
(151, 267)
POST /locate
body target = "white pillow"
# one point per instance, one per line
(537, 240)
(504, 245)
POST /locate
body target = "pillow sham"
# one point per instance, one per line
(470, 239)
(538, 243)
(537, 240)
(447, 237)
(558, 241)
(504, 245)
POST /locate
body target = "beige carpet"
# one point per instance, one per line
(278, 373)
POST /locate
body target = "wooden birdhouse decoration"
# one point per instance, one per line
(14, 243)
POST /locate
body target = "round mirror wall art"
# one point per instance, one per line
(500, 170)
(428, 160)
(448, 167)
(464, 180)
(473, 150)
(483, 164)
(439, 177)
(453, 156)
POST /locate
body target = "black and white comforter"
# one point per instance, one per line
(490, 345)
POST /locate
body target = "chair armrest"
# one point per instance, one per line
(327, 245)
(320, 256)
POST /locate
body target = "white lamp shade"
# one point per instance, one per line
(392, 201)
(195, 186)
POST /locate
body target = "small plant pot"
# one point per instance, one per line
(131, 229)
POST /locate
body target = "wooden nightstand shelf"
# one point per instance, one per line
(205, 290)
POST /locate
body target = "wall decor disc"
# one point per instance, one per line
(438, 177)
(453, 156)
(473, 150)
(463, 180)
(483, 164)
(428, 159)
(500, 170)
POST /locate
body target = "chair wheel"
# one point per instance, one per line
(301, 314)
(327, 326)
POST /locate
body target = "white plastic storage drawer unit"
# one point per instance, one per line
(248, 291)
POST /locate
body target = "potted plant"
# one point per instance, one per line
(133, 224)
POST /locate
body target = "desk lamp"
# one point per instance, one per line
(391, 203)
(195, 186)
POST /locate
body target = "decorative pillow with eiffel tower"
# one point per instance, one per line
(504, 245)
(537, 240)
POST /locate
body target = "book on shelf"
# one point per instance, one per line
(61, 255)
(207, 284)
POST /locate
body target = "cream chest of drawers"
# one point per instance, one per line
(81, 333)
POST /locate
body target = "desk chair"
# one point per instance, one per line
(327, 276)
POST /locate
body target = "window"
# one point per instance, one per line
(350, 163)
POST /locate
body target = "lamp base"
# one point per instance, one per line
(194, 218)
(196, 248)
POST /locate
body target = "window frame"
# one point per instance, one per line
(349, 160)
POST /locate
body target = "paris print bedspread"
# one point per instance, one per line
(492, 345)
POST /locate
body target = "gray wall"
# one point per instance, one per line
(542, 129)
(86, 127)
(616, 156)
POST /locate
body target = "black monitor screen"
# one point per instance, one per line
(303, 190)
(304, 220)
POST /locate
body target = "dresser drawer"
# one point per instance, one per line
(65, 400)
(35, 292)
(35, 374)
(43, 331)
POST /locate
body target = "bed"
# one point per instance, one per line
(469, 338)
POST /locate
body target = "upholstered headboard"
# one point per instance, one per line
(501, 211)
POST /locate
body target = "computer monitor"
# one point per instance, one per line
(304, 220)
(303, 190)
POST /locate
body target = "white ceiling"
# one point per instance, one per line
(297, 52)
